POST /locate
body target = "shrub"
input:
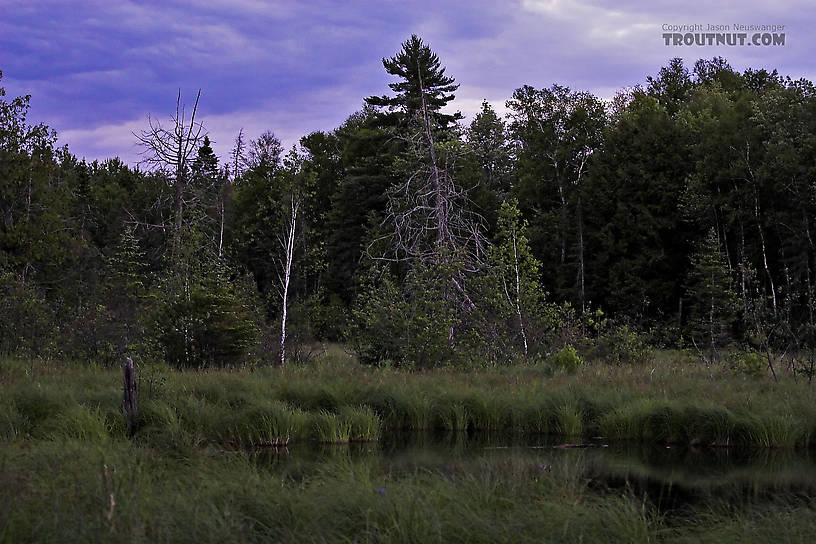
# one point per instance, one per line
(27, 323)
(750, 363)
(209, 324)
(566, 358)
(622, 345)
(409, 324)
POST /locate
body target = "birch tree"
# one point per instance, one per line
(295, 181)
(287, 241)
(516, 267)
(556, 131)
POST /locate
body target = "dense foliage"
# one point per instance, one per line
(679, 213)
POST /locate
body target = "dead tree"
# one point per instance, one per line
(429, 215)
(130, 401)
(237, 157)
(171, 150)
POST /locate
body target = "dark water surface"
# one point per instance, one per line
(670, 476)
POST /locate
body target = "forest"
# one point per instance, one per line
(584, 320)
(676, 215)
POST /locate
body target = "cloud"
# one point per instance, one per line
(105, 141)
(96, 69)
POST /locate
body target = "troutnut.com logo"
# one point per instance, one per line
(736, 34)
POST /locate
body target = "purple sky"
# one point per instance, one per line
(96, 69)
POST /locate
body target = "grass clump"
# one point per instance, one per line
(272, 423)
(13, 424)
(452, 415)
(569, 420)
(331, 428)
(364, 424)
(80, 423)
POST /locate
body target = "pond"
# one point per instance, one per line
(670, 476)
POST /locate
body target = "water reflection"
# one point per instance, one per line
(670, 475)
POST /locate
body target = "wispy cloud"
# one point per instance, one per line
(96, 69)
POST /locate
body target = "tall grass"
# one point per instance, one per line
(672, 402)
(60, 490)
(364, 424)
(64, 453)
(331, 428)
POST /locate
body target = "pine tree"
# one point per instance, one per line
(423, 84)
(428, 212)
(712, 301)
(126, 288)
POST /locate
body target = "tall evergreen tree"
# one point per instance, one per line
(422, 84)
(712, 301)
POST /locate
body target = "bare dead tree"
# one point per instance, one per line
(238, 155)
(428, 216)
(238, 159)
(171, 150)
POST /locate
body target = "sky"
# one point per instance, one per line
(97, 69)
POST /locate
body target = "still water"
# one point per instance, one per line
(670, 476)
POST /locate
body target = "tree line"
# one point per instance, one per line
(676, 214)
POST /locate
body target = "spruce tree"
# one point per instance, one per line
(712, 301)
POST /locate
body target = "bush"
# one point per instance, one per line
(27, 324)
(328, 317)
(209, 324)
(566, 358)
(623, 345)
(750, 363)
(409, 324)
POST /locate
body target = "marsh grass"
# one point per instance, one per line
(183, 478)
(331, 428)
(568, 420)
(364, 424)
(670, 401)
(80, 423)
(451, 414)
(521, 497)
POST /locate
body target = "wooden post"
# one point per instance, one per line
(130, 402)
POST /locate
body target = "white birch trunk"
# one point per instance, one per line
(518, 294)
(221, 235)
(289, 252)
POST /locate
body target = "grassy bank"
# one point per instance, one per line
(68, 472)
(335, 400)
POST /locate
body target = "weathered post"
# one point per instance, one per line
(130, 402)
